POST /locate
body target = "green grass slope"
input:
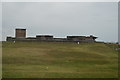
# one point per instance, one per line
(59, 60)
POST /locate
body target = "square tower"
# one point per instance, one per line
(20, 33)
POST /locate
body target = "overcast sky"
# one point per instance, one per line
(61, 19)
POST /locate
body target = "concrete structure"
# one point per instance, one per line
(20, 35)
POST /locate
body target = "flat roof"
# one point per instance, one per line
(20, 29)
(44, 35)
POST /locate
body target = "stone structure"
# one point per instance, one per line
(44, 37)
(20, 33)
(21, 36)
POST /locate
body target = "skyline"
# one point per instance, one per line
(61, 19)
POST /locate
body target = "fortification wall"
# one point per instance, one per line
(20, 35)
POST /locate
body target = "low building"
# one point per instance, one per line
(21, 36)
(44, 37)
(81, 38)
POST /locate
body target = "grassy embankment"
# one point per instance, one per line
(59, 60)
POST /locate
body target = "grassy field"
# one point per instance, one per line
(59, 60)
